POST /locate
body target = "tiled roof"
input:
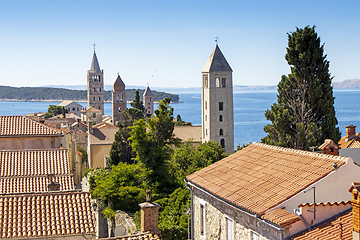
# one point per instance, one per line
(281, 217)
(91, 109)
(345, 144)
(22, 126)
(46, 215)
(104, 135)
(34, 184)
(325, 204)
(339, 227)
(188, 132)
(16, 163)
(140, 236)
(260, 176)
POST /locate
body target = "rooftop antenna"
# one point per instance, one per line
(216, 40)
(94, 46)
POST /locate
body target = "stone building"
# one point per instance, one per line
(118, 99)
(95, 85)
(148, 100)
(71, 107)
(217, 101)
(264, 192)
(91, 115)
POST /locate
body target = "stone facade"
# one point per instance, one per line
(216, 215)
(95, 85)
(217, 101)
(118, 100)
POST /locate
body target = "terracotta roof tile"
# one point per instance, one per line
(281, 217)
(263, 176)
(34, 184)
(339, 227)
(22, 126)
(325, 204)
(46, 215)
(16, 163)
(139, 236)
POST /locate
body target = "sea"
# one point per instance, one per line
(249, 109)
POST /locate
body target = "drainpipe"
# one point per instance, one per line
(314, 210)
(191, 207)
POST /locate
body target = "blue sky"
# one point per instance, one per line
(167, 43)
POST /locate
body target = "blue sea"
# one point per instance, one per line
(249, 109)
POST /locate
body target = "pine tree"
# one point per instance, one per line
(137, 103)
(304, 114)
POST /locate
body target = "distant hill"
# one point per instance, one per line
(60, 94)
(349, 83)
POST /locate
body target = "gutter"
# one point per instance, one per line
(257, 216)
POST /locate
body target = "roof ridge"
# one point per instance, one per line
(325, 203)
(33, 150)
(303, 152)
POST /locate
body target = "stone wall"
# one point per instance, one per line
(216, 214)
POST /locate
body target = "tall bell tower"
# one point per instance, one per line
(118, 99)
(95, 85)
(217, 101)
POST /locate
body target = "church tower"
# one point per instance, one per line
(148, 99)
(95, 85)
(118, 99)
(217, 101)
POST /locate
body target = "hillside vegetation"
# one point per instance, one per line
(60, 94)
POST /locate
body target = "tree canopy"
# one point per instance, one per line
(304, 114)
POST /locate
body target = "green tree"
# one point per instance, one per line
(119, 189)
(304, 114)
(54, 110)
(153, 143)
(137, 103)
(84, 156)
(186, 159)
(121, 150)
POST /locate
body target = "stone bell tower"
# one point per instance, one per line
(217, 101)
(95, 85)
(118, 99)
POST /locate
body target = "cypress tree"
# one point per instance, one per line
(304, 114)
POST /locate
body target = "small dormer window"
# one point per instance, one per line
(331, 149)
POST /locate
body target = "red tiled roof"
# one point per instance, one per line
(328, 143)
(140, 236)
(281, 217)
(260, 176)
(46, 215)
(34, 184)
(345, 144)
(33, 162)
(325, 204)
(337, 228)
(22, 126)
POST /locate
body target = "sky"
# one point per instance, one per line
(167, 43)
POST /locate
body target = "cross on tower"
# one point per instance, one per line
(94, 46)
(216, 40)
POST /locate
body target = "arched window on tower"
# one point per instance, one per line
(222, 143)
(221, 132)
(122, 98)
(220, 118)
(217, 80)
(119, 109)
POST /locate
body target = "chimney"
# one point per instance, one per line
(149, 215)
(350, 132)
(53, 186)
(90, 128)
(355, 202)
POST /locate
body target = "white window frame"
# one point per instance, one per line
(227, 220)
(202, 215)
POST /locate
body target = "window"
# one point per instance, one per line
(221, 132)
(206, 132)
(94, 89)
(73, 109)
(122, 98)
(94, 115)
(119, 109)
(99, 98)
(94, 98)
(78, 109)
(205, 118)
(221, 106)
(205, 105)
(331, 149)
(205, 83)
(255, 236)
(99, 89)
(220, 118)
(217, 80)
(229, 229)
(150, 99)
(222, 143)
(223, 82)
(148, 103)
(202, 219)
